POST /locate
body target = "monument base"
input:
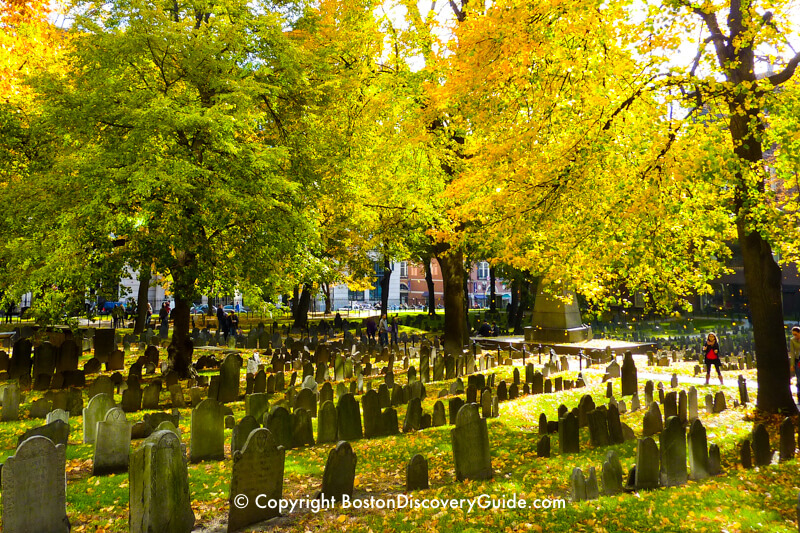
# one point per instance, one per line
(558, 335)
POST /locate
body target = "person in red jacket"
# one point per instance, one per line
(711, 356)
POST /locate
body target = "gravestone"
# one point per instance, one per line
(592, 491)
(302, 429)
(348, 416)
(327, 427)
(229, 379)
(673, 453)
(56, 430)
(630, 380)
(413, 416)
(150, 395)
(692, 400)
(787, 440)
(652, 423)
(698, 451)
(470, 441)
(454, 405)
(417, 473)
(340, 472)
(159, 486)
(371, 405)
(719, 402)
(57, 414)
(568, 434)
(116, 361)
(762, 453)
(207, 439)
(647, 464)
(745, 454)
(11, 401)
(279, 423)
(104, 343)
(670, 404)
(242, 431)
(390, 424)
(577, 483)
(615, 434)
(543, 446)
(744, 397)
(256, 405)
(257, 469)
(306, 399)
(112, 444)
(598, 427)
(612, 474)
(34, 488)
(439, 418)
(95, 412)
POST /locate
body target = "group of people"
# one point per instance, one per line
(228, 322)
(385, 328)
(485, 330)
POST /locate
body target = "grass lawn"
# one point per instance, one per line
(762, 499)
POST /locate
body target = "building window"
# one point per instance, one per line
(356, 296)
(483, 270)
(404, 269)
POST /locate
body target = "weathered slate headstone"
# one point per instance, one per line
(470, 440)
(348, 416)
(762, 453)
(207, 441)
(743, 396)
(159, 486)
(371, 405)
(787, 440)
(417, 473)
(279, 423)
(257, 469)
(454, 406)
(11, 401)
(592, 490)
(719, 402)
(112, 446)
(598, 427)
(692, 404)
(543, 446)
(577, 483)
(439, 418)
(745, 455)
(647, 464)
(95, 412)
(306, 399)
(673, 453)
(652, 423)
(714, 460)
(568, 434)
(302, 429)
(629, 375)
(327, 427)
(413, 416)
(698, 451)
(612, 474)
(56, 430)
(229, 379)
(242, 431)
(340, 472)
(34, 488)
(615, 434)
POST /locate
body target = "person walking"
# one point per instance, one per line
(794, 356)
(395, 329)
(711, 356)
(222, 322)
(383, 331)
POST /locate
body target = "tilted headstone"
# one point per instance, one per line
(302, 429)
(577, 483)
(612, 474)
(592, 490)
(413, 416)
(279, 423)
(568, 434)
(229, 379)
(719, 402)
(95, 412)
(34, 488)
(348, 416)
(629, 375)
(159, 486)
(11, 401)
(598, 427)
(56, 430)
(242, 431)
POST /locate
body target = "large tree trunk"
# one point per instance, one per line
(181, 348)
(762, 277)
(326, 291)
(512, 309)
(492, 292)
(141, 300)
(387, 276)
(300, 309)
(456, 334)
(431, 287)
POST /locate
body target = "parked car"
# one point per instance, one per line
(202, 309)
(242, 309)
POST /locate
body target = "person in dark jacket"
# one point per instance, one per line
(711, 355)
(222, 322)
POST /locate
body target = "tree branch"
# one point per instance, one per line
(786, 73)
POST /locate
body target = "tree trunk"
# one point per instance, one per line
(456, 335)
(492, 292)
(431, 287)
(526, 295)
(387, 276)
(300, 309)
(512, 309)
(326, 291)
(762, 277)
(181, 349)
(141, 300)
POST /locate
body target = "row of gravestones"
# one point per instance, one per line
(159, 499)
(656, 466)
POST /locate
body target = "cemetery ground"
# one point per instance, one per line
(757, 499)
